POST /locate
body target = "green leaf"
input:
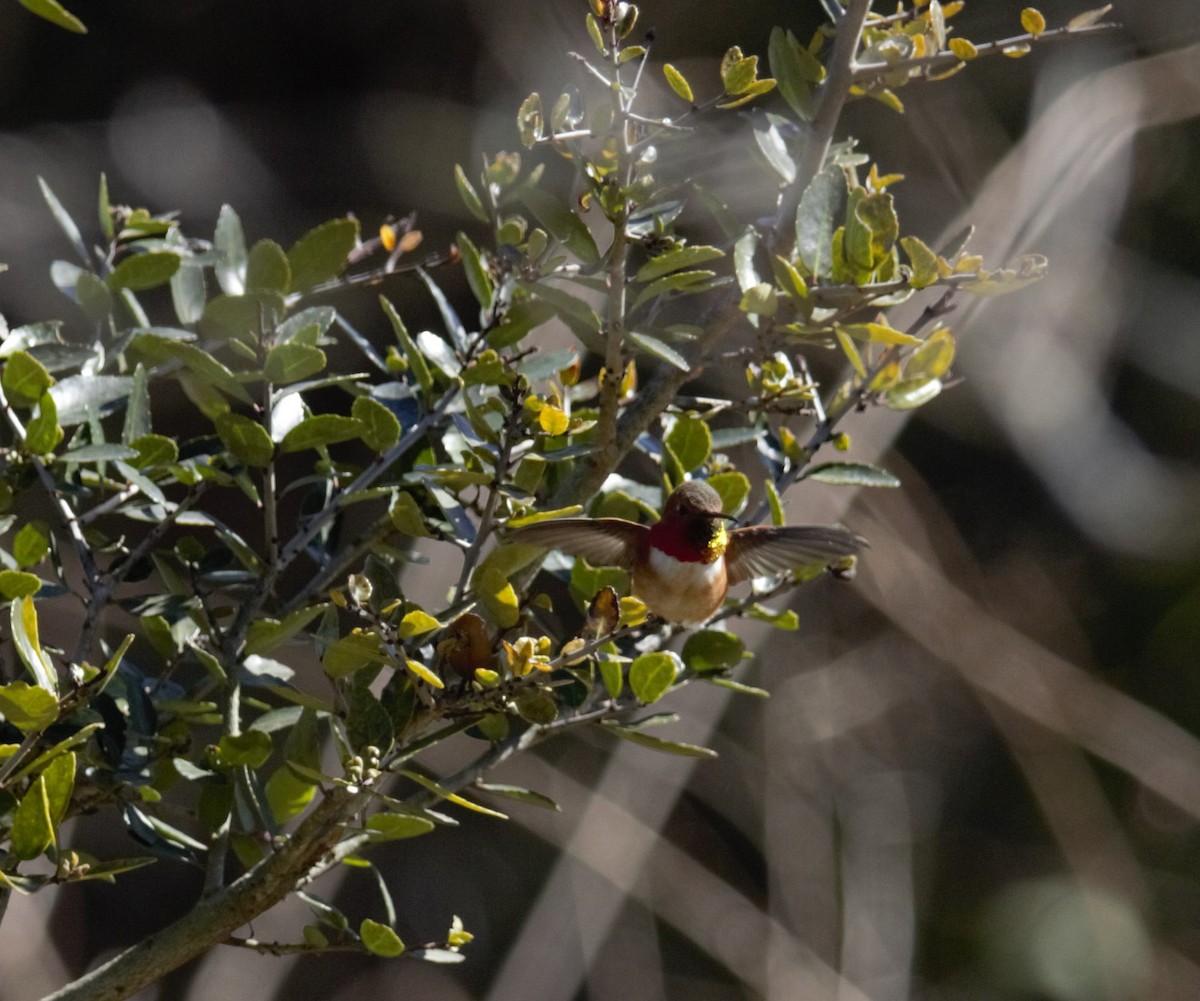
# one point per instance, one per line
(99, 453)
(31, 543)
(759, 300)
(871, 229)
(815, 216)
(395, 826)
(408, 346)
(908, 394)
(787, 619)
(756, 89)
(521, 317)
(536, 707)
(29, 647)
(18, 584)
(922, 260)
(683, 282)
(241, 317)
(291, 362)
(657, 743)
(381, 429)
(416, 623)
(556, 217)
(498, 596)
(24, 379)
(55, 13)
(353, 652)
(775, 503)
(852, 474)
(933, 358)
(268, 268)
(42, 433)
(712, 650)
(676, 260)
(288, 795)
(660, 350)
(733, 488)
(469, 195)
(690, 440)
(159, 348)
(104, 209)
(321, 430)
(30, 708)
(652, 674)
(245, 438)
(32, 829)
(877, 333)
(520, 794)
(64, 220)
(368, 723)
(796, 70)
(678, 83)
(320, 254)
(93, 297)
(154, 450)
(380, 939)
(735, 686)
(250, 749)
(612, 675)
(264, 635)
(406, 516)
(60, 784)
(530, 121)
(138, 272)
(477, 276)
(739, 74)
(230, 245)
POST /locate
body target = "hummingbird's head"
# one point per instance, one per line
(692, 524)
(695, 498)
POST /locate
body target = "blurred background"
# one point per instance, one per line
(978, 776)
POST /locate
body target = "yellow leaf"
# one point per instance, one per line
(553, 420)
(964, 49)
(419, 670)
(1032, 21)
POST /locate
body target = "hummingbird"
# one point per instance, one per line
(683, 565)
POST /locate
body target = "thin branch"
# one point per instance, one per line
(313, 526)
(832, 98)
(824, 430)
(868, 73)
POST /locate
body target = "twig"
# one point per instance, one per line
(869, 72)
(832, 98)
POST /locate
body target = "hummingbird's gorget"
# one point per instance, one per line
(707, 536)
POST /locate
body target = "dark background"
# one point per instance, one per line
(1034, 865)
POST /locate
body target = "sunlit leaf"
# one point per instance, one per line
(852, 474)
(652, 674)
(138, 272)
(245, 438)
(678, 83)
(690, 440)
(657, 743)
(380, 939)
(321, 430)
(320, 254)
(30, 708)
(712, 650)
(32, 828)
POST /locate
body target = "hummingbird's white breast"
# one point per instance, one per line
(680, 591)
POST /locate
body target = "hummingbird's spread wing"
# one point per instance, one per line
(758, 552)
(604, 542)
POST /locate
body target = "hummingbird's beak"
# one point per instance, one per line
(720, 514)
